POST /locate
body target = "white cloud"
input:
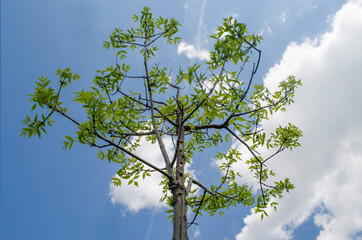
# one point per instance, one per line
(283, 16)
(201, 35)
(305, 6)
(329, 19)
(267, 29)
(196, 50)
(197, 232)
(192, 51)
(327, 168)
(235, 15)
(149, 192)
(150, 227)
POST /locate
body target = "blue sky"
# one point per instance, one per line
(49, 193)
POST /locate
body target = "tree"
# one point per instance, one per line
(198, 109)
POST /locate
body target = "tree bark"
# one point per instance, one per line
(178, 188)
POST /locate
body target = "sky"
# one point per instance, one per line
(49, 193)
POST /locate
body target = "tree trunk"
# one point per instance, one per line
(179, 193)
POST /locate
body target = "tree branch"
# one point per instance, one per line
(157, 133)
(116, 145)
(198, 210)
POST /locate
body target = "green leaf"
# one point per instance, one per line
(70, 145)
(33, 108)
(69, 138)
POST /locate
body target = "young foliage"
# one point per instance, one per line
(205, 106)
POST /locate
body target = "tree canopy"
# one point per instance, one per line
(205, 106)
